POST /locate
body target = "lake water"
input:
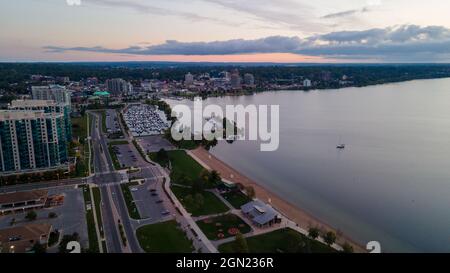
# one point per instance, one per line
(392, 182)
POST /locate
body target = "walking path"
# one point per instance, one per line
(201, 236)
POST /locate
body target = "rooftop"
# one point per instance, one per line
(260, 212)
(19, 115)
(22, 238)
(22, 196)
(32, 103)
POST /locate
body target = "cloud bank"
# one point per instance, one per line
(401, 43)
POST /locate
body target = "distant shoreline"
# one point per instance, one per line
(255, 92)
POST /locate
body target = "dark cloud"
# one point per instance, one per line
(408, 43)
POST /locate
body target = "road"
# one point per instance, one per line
(114, 206)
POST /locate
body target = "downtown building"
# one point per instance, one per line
(48, 106)
(118, 87)
(32, 141)
(57, 93)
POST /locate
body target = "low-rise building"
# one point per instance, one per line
(21, 201)
(21, 239)
(261, 214)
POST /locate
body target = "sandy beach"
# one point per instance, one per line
(297, 215)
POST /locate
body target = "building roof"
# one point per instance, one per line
(260, 212)
(32, 103)
(18, 115)
(102, 93)
(25, 114)
(17, 197)
(22, 238)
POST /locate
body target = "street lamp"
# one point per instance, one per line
(11, 249)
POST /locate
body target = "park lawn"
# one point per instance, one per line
(280, 241)
(182, 163)
(79, 127)
(119, 142)
(114, 158)
(164, 237)
(92, 233)
(153, 157)
(132, 209)
(218, 228)
(79, 131)
(98, 209)
(236, 199)
(104, 128)
(212, 204)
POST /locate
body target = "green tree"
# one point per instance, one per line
(347, 248)
(189, 201)
(199, 200)
(250, 192)
(39, 248)
(163, 157)
(31, 216)
(329, 238)
(214, 178)
(240, 244)
(313, 233)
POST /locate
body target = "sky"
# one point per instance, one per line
(327, 31)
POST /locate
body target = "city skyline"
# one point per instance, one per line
(226, 31)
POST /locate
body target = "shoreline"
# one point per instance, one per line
(299, 216)
(261, 91)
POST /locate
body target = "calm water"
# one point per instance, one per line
(392, 182)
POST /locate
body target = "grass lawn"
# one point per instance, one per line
(223, 226)
(92, 233)
(114, 158)
(280, 241)
(119, 142)
(104, 129)
(132, 209)
(153, 157)
(182, 163)
(212, 204)
(98, 209)
(164, 237)
(79, 130)
(236, 199)
(79, 127)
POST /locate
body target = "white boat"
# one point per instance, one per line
(340, 146)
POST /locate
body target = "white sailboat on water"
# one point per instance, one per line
(340, 146)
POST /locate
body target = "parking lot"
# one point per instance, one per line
(70, 215)
(112, 122)
(152, 144)
(145, 120)
(128, 156)
(149, 201)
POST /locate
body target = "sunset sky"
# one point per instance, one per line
(225, 30)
